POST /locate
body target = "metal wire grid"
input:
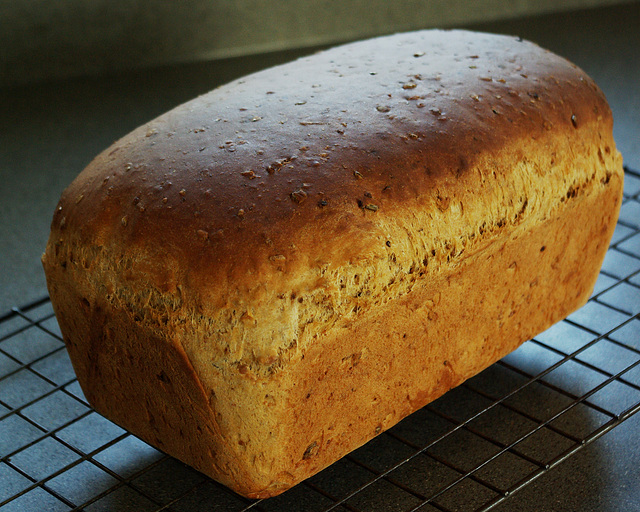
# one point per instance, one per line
(467, 451)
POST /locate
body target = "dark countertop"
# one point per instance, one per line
(49, 132)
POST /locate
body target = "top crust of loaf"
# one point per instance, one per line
(271, 209)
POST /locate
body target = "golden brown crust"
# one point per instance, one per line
(236, 188)
(279, 226)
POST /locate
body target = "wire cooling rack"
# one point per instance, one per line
(468, 451)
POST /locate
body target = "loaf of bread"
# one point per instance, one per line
(266, 277)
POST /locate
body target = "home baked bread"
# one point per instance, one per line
(268, 276)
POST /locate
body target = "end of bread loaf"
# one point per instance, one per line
(268, 276)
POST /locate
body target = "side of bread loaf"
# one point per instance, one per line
(266, 277)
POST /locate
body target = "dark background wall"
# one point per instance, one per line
(44, 39)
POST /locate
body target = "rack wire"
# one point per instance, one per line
(470, 450)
